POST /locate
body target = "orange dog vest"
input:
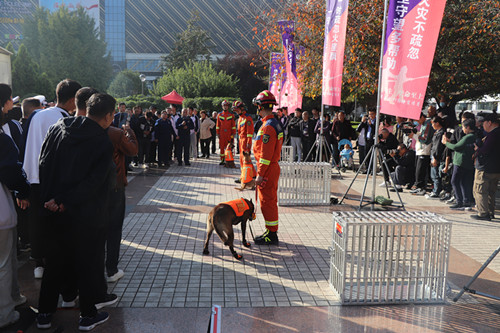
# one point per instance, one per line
(229, 155)
(239, 206)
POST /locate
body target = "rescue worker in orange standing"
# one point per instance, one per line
(226, 128)
(267, 152)
(245, 131)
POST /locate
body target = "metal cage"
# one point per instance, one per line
(305, 183)
(286, 154)
(389, 257)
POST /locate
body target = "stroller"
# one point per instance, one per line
(346, 155)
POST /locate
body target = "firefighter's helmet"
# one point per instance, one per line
(265, 99)
(225, 102)
(238, 105)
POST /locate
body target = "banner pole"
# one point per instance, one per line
(377, 122)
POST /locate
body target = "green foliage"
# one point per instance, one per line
(207, 103)
(196, 79)
(143, 101)
(126, 83)
(192, 44)
(66, 45)
(26, 76)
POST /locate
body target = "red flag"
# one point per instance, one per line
(410, 42)
(333, 51)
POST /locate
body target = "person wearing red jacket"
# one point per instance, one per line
(245, 131)
(267, 152)
(226, 129)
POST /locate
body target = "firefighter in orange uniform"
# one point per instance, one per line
(226, 128)
(267, 152)
(245, 131)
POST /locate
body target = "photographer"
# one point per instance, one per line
(423, 153)
(487, 169)
(405, 166)
(388, 144)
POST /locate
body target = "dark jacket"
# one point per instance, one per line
(147, 126)
(164, 130)
(183, 132)
(76, 169)
(294, 127)
(11, 170)
(437, 146)
(407, 160)
(390, 143)
(342, 129)
(327, 130)
(307, 130)
(367, 125)
(488, 154)
(135, 125)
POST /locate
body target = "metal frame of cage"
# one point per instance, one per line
(286, 154)
(304, 183)
(389, 257)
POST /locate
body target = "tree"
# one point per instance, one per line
(196, 79)
(465, 64)
(26, 76)
(126, 83)
(66, 45)
(193, 44)
(252, 78)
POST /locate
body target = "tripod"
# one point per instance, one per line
(472, 291)
(375, 149)
(319, 143)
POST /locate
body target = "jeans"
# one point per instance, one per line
(193, 151)
(297, 148)
(184, 143)
(436, 179)
(462, 181)
(114, 235)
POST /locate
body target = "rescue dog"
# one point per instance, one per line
(228, 156)
(222, 218)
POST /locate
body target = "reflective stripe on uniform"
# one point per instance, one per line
(234, 127)
(280, 136)
(271, 223)
(221, 118)
(229, 118)
(249, 135)
(217, 127)
(260, 132)
(265, 162)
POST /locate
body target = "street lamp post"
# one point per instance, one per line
(143, 78)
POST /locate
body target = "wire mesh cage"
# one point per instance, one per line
(305, 183)
(389, 257)
(286, 154)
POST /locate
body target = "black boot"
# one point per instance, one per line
(267, 238)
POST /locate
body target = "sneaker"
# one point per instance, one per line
(21, 300)
(419, 192)
(14, 317)
(69, 304)
(445, 197)
(237, 181)
(267, 238)
(384, 183)
(115, 277)
(43, 321)
(89, 323)
(108, 300)
(414, 190)
(457, 206)
(451, 200)
(38, 272)
(222, 163)
(479, 217)
(432, 196)
(399, 189)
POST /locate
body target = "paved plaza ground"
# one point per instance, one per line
(169, 285)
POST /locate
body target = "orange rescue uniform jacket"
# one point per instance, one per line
(225, 124)
(245, 131)
(267, 145)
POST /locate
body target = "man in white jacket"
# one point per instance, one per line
(38, 128)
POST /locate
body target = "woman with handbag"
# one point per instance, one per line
(12, 179)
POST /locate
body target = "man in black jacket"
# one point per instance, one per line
(184, 126)
(308, 136)
(76, 176)
(388, 143)
(294, 134)
(405, 168)
(437, 149)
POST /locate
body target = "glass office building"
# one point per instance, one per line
(114, 31)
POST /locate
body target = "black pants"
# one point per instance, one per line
(74, 262)
(306, 148)
(391, 164)
(152, 152)
(164, 151)
(36, 225)
(402, 175)
(422, 171)
(205, 146)
(144, 152)
(183, 147)
(361, 153)
(114, 234)
(212, 140)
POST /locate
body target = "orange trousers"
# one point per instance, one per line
(268, 197)
(224, 139)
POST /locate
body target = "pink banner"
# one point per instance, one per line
(291, 96)
(411, 37)
(333, 51)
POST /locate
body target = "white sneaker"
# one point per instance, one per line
(384, 183)
(38, 272)
(69, 304)
(115, 277)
